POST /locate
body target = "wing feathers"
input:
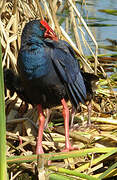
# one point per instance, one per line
(67, 66)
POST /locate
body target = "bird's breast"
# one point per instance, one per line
(33, 63)
(47, 90)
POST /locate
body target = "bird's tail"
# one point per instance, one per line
(12, 81)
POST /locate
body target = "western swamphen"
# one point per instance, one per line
(13, 83)
(50, 74)
(90, 81)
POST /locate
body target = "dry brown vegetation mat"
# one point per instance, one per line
(97, 144)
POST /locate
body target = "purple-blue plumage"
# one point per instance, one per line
(49, 69)
(49, 75)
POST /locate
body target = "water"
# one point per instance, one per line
(102, 32)
(107, 25)
(102, 26)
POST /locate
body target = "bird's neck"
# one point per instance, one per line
(32, 39)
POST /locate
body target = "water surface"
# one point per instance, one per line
(100, 32)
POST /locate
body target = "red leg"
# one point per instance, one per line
(89, 108)
(39, 149)
(66, 124)
(20, 140)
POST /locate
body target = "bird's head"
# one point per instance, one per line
(49, 33)
(38, 28)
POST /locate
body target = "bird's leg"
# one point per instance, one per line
(73, 112)
(20, 140)
(89, 124)
(72, 117)
(48, 113)
(89, 108)
(66, 124)
(39, 149)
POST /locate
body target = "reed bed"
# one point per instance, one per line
(96, 158)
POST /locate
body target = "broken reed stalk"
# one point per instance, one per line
(72, 172)
(54, 17)
(2, 6)
(75, 30)
(40, 10)
(89, 32)
(95, 161)
(15, 26)
(48, 13)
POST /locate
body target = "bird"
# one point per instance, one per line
(90, 81)
(13, 83)
(50, 74)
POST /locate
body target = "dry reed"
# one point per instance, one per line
(13, 16)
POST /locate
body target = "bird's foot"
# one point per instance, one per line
(39, 150)
(74, 127)
(70, 148)
(92, 126)
(89, 125)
